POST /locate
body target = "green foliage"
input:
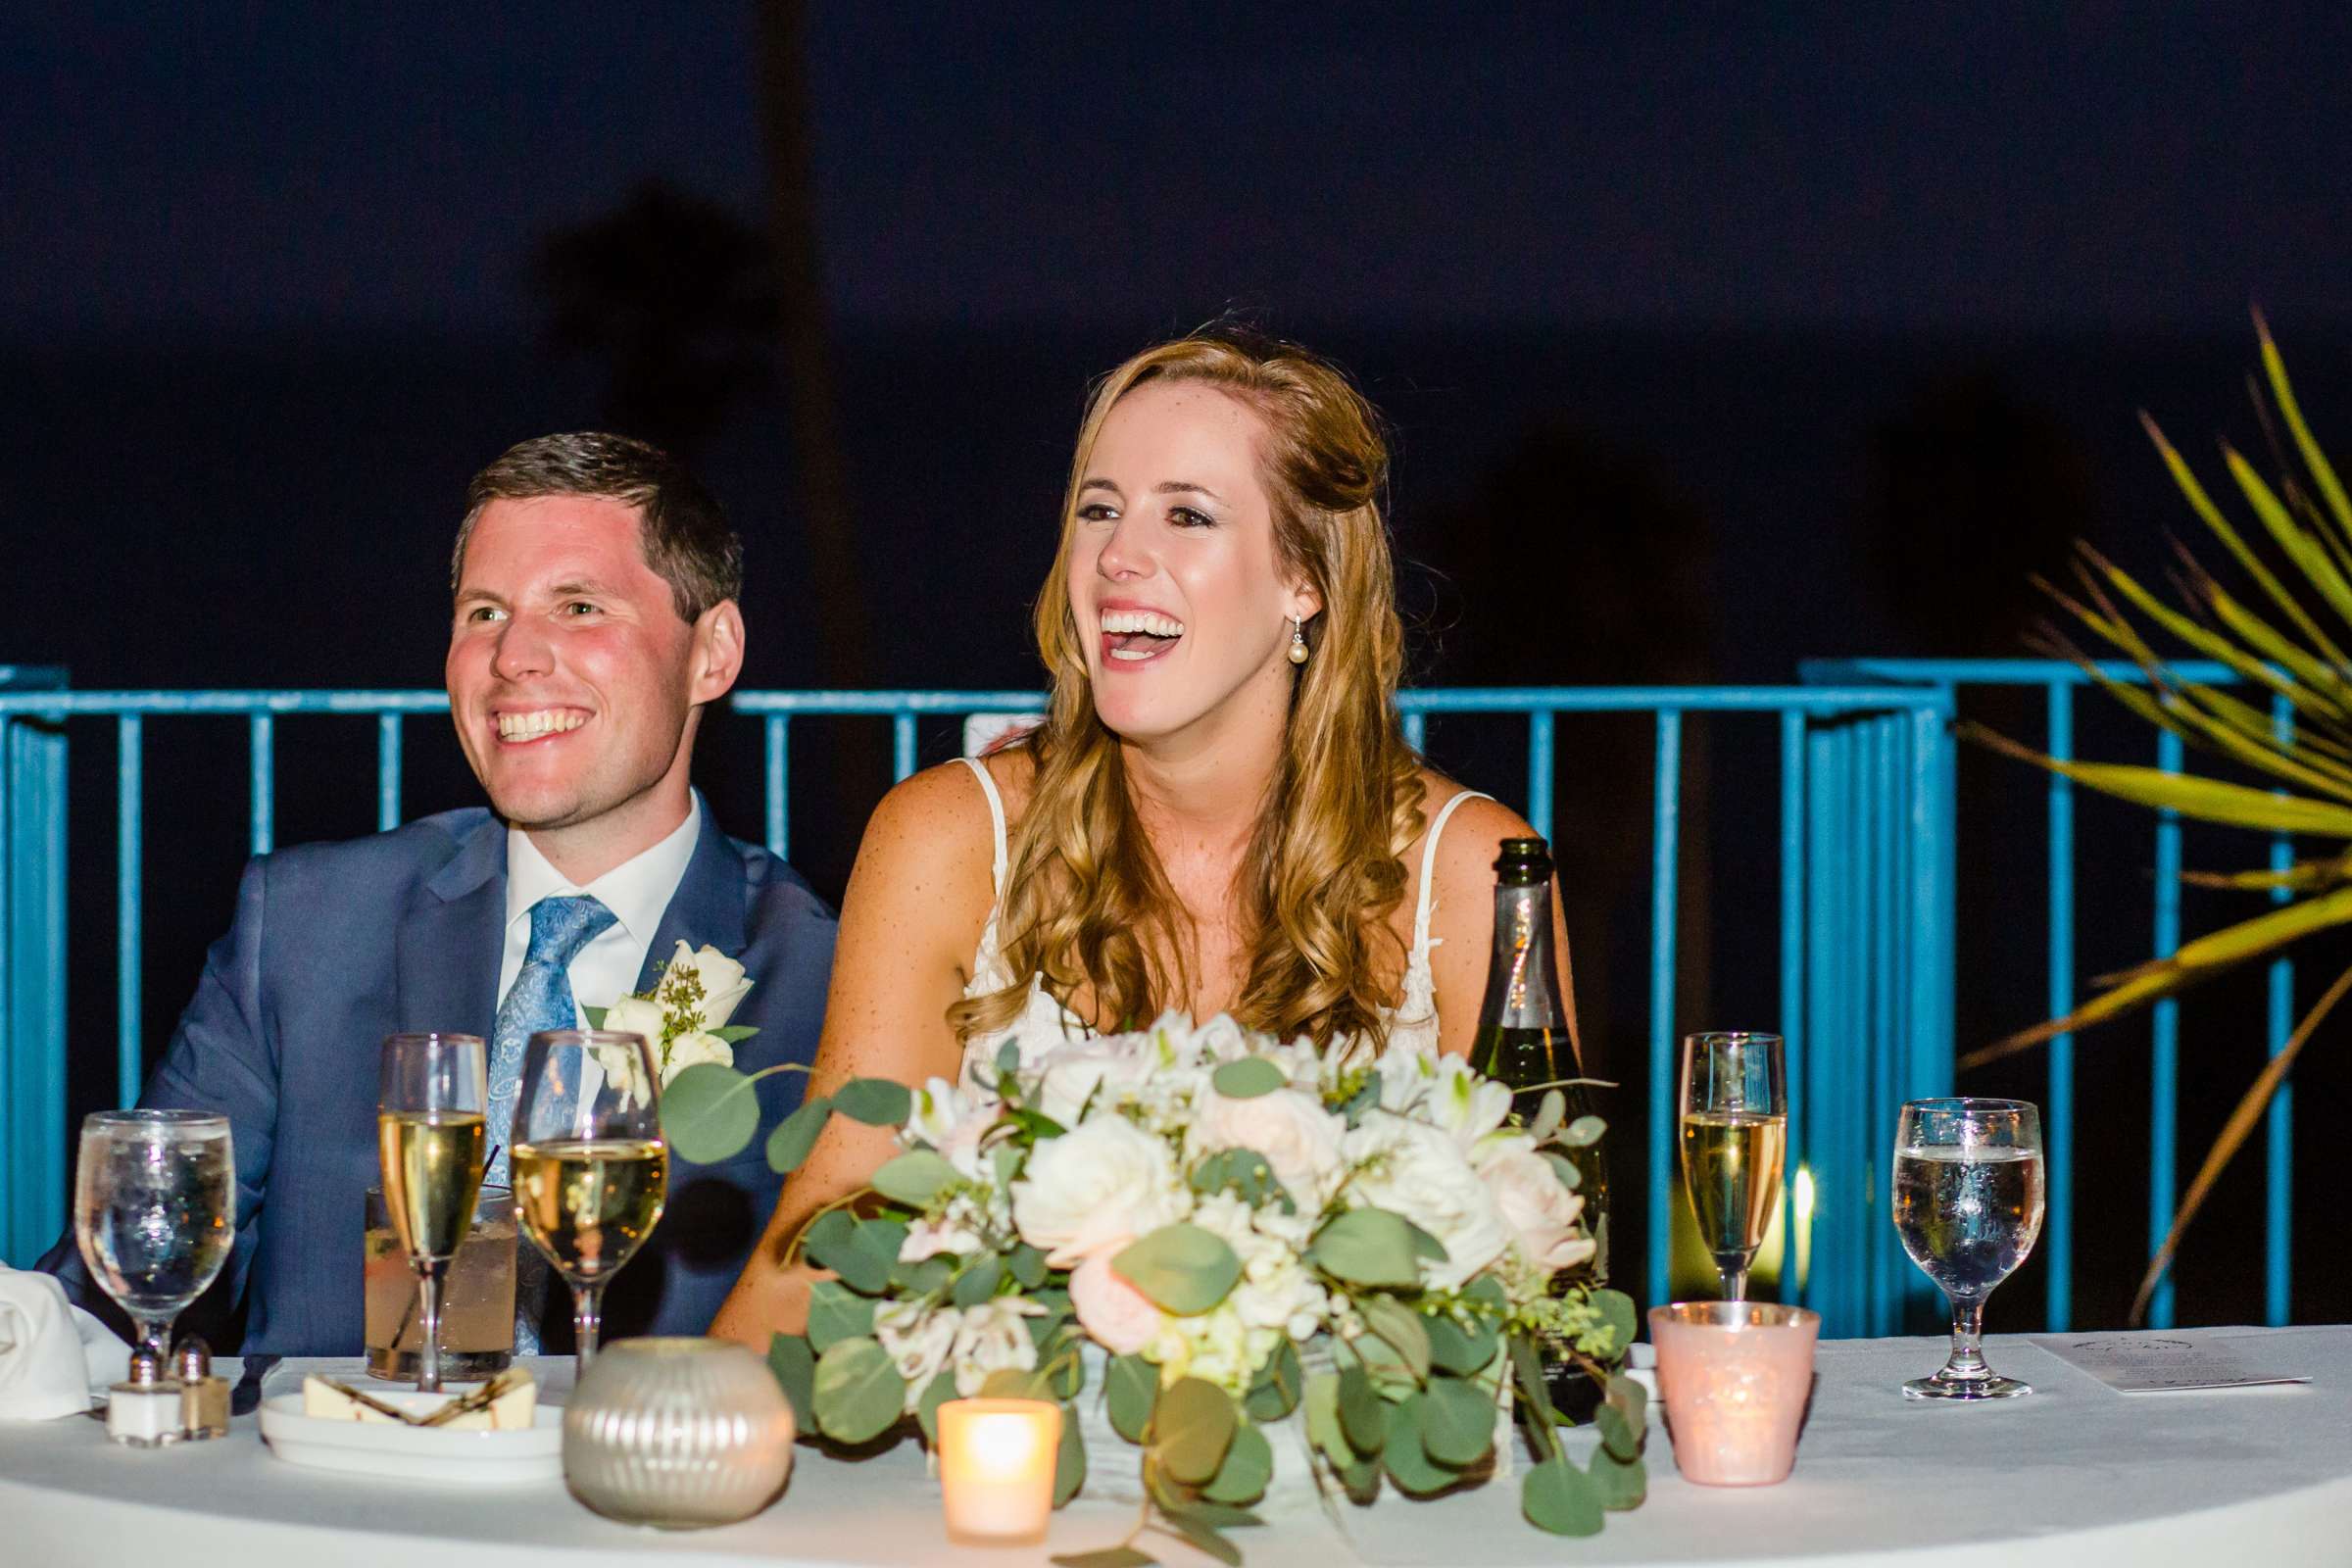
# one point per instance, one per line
(795, 1136)
(1561, 1499)
(1276, 1391)
(1191, 1428)
(1248, 1465)
(708, 1114)
(1363, 1414)
(1584, 1131)
(864, 1252)
(1402, 1329)
(1456, 1420)
(978, 1281)
(1243, 1172)
(1247, 1078)
(1366, 1247)
(1184, 1269)
(794, 1362)
(875, 1101)
(1131, 1386)
(858, 1393)
(836, 1313)
(1458, 1349)
(914, 1178)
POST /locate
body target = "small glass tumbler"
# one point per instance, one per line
(477, 1305)
(1735, 1377)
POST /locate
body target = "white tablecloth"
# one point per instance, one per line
(2075, 1474)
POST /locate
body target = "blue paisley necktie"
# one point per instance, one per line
(539, 999)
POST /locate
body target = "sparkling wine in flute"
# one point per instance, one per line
(1968, 1216)
(588, 1202)
(432, 1169)
(1731, 1163)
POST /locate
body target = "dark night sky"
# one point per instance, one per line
(203, 168)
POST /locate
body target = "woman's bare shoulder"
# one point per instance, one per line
(933, 828)
(1472, 839)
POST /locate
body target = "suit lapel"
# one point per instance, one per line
(451, 937)
(707, 909)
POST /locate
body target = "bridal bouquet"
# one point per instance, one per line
(1232, 1234)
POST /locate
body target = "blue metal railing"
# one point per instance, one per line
(1864, 920)
(2057, 681)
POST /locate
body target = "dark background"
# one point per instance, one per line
(1709, 342)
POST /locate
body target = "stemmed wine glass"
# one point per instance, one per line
(155, 1212)
(430, 1132)
(1734, 1101)
(1968, 1199)
(590, 1167)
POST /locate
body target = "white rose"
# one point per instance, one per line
(1101, 1070)
(689, 1050)
(991, 1338)
(1221, 1039)
(918, 1340)
(634, 1015)
(1096, 1189)
(1538, 1212)
(1419, 1173)
(1297, 1137)
(723, 982)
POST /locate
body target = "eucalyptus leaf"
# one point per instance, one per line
(1583, 1132)
(1366, 1247)
(1402, 1329)
(1069, 1459)
(914, 1178)
(1028, 1266)
(978, 1282)
(1016, 1383)
(1620, 1436)
(1363, 1414)
(1009, 1056)
(837, 1314)
(594, 1016)
(1457, 1422)
(1559, 1497)
(875, 1101)
(1191, 1428)
(1130, 1389)
(1323, 1430)
(734, 1034)
(1565, 1169)
(1276, 1391)
(1551, 1112)
(938, 1391)
(1458, 1349)
(1631, 1399)
(708, 1114)
(796, 1135)
(1620, 1484)
(1617, 1310)
(794, 1362)
(1248, 1078)
(1182, 1269)
(1405, 1457)
(859, 1392)
(1535, 1395)
(1248, 1465)
(925, 1276)
(1206, 1537)
(1107, 1557)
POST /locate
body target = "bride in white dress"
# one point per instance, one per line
(1220, 813)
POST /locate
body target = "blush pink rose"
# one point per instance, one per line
(1115, 1313)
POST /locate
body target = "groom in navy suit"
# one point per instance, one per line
(596, 586)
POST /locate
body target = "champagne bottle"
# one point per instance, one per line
(1523, 1035)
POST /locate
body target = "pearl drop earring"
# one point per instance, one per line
(1297, 641)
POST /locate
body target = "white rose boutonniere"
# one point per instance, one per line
(684, 1018)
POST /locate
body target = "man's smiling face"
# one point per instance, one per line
(572, 678)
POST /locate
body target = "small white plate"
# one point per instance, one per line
(416, 1453)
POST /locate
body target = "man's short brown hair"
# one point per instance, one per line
(682, 531)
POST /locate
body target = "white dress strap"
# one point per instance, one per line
(1429, 861)
(995, 821)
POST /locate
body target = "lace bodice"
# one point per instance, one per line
(1045, 1022)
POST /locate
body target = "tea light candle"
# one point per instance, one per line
(1736, 1376)
(996, 1468)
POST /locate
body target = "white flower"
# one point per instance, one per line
(928, 1237)
(634, 1015)
(1114, 1314)
(918, 1340)
(1297, 1137)
(688, 1051)
(1405, 1075)
(952, 1122)
(1466, 1103)
(722, 978)
(1539, 1212)
(1418, 1173)
(991, 1338)
(1103, 1070)
(1097, 1187)
(1220, 1040)
(1277, 1292)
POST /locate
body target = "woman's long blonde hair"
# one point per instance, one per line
(1086, 904)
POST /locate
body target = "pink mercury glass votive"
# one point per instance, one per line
(1735, 1377)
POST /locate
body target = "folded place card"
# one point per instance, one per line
(2155, 1363)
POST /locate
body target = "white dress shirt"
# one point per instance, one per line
(637, 891)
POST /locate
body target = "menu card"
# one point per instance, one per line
(2154, 1363)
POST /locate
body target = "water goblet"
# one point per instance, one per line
(155, 1212)
(1734, 1103)
(1968, 1197)
(431, 1127)
(590, 1166)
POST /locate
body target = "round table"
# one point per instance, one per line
(2077, 1474)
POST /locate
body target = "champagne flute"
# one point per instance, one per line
(431, 1133)
(590, 1167)
(1968, 1199)
(1734, 1103)
(155, 1212)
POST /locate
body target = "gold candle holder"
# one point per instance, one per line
(996, 1469)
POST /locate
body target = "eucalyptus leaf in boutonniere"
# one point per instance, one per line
(684, 1018)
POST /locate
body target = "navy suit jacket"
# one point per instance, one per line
(336, 946)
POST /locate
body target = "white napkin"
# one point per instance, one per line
(52, 1353)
